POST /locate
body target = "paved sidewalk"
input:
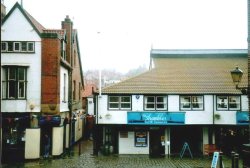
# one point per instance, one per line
(87, 160)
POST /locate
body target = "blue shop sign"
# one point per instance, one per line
(242, 117)
(156, 118)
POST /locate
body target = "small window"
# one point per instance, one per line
(30, 46)
(113, 102)
(24, 46)
(120, 102)
(155, 102)
(3, 46)
(10, 47)
(16, 46)
(191, 102)
(228, 102)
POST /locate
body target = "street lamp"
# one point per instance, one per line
(236, 76)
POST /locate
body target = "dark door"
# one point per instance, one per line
(156, 146)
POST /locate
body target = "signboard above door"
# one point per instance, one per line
(156, 118)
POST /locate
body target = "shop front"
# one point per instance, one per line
(13, 143)
(148, 133)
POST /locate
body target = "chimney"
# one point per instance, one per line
(67, 24)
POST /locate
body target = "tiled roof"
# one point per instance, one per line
(186, 75)
(88, 90)
(60, 32)
(38, 26)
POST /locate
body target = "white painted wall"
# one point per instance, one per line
(32, 143)
(64, 105)
(78, 128)
(57, 141)
(90, 106)
(191, 117)
(202, 117)
(127, 145)
(17, 28)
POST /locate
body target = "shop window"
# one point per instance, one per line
(228, 102)
(119, 102)
(141, 139)
(14, 130)
(191, 102)
(14, 82)
(155, 102)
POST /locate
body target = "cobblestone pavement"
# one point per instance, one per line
(87, 160)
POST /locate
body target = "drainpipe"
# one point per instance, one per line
(70, 107)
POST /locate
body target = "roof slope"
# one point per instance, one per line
(185, 75)
(35, 24)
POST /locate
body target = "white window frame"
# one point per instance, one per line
(155, 103)
(228, 103)
(19, 46)
(6, 46)
(191, 102)
(119, 103)
(33, 47)
(17, 82)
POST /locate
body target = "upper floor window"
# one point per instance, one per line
(14, 82)
(228, 103)
(155, 102)
(18, 46)
(191, 102)
(119, 102)
(63, 50)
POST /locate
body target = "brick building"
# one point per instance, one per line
(42, 81)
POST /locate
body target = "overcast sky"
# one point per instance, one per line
(130, 28)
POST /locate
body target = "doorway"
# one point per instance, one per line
(156, 143)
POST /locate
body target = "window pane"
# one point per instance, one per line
(113, 99)
(4, 89)
(222, 102)
(21, 90)
(234, 102)
(185, 102)
(160, 106)
(10, 46)
(12, 89)
(17, 46)
(150, 106)
(125, 105)
(114, 105)
(4, 46)
(161, 103)
(30, 46)
(21, 74)
(12, 74)
(150, 99)
(159, 99)
(24, 46)
(197, 102)
(125, 99)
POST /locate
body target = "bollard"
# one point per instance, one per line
(236, 161)
(220, 160)
(232, 158)
(79, 148)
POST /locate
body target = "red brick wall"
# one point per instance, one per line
(50, 75)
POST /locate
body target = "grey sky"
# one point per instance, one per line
(130, 28)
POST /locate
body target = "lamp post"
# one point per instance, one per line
(236, 76)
